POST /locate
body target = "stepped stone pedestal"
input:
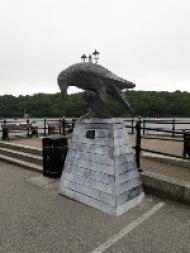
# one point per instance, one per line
(100, 169)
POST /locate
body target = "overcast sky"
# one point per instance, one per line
(144, 41)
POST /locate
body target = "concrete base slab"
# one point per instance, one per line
(166, 186)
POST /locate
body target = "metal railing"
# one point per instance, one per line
(148, 125)
(180, 134)
(44, 126)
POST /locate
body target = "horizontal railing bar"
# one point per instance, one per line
(162, 153)
(161, 130)
(162, 122)
(158, 130)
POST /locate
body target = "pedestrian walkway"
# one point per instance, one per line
(167, 169)
(162, 175)
(37, 219)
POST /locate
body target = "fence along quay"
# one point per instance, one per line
(169, 124)
(41, 126)
(181, 135)
(139, 127)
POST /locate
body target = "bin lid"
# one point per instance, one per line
(54, 137)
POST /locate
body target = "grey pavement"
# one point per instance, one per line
(172, 169)
(35, 219)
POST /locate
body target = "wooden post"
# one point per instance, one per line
(173, 128)
(138, 144)
(45, 121)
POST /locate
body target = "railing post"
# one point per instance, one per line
(132, 126)
(184, 143)
(28, 129)
(73, 123)
(138, 144)
(144, 125)
(45, 121)
(60, 126)
(63, 126)
(5, 133)
(173, 128)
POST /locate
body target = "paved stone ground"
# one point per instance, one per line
(168, 145)
(36, 219)
(36, 142)
(165, 169)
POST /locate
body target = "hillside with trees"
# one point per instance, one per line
(144, 103)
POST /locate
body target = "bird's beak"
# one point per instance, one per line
(131, 85)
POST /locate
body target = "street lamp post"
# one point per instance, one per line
(96, 56)
(83, 58)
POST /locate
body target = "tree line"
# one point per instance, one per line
(144, 103)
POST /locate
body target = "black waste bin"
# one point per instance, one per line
(54, 153)
(187, 144)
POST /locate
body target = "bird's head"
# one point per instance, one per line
(71, 76)
(62, 84)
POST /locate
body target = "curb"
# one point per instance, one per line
(168, 160)
(166, 186)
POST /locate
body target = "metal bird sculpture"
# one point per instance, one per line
(98, 82)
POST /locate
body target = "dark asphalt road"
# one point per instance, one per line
(36, 219)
